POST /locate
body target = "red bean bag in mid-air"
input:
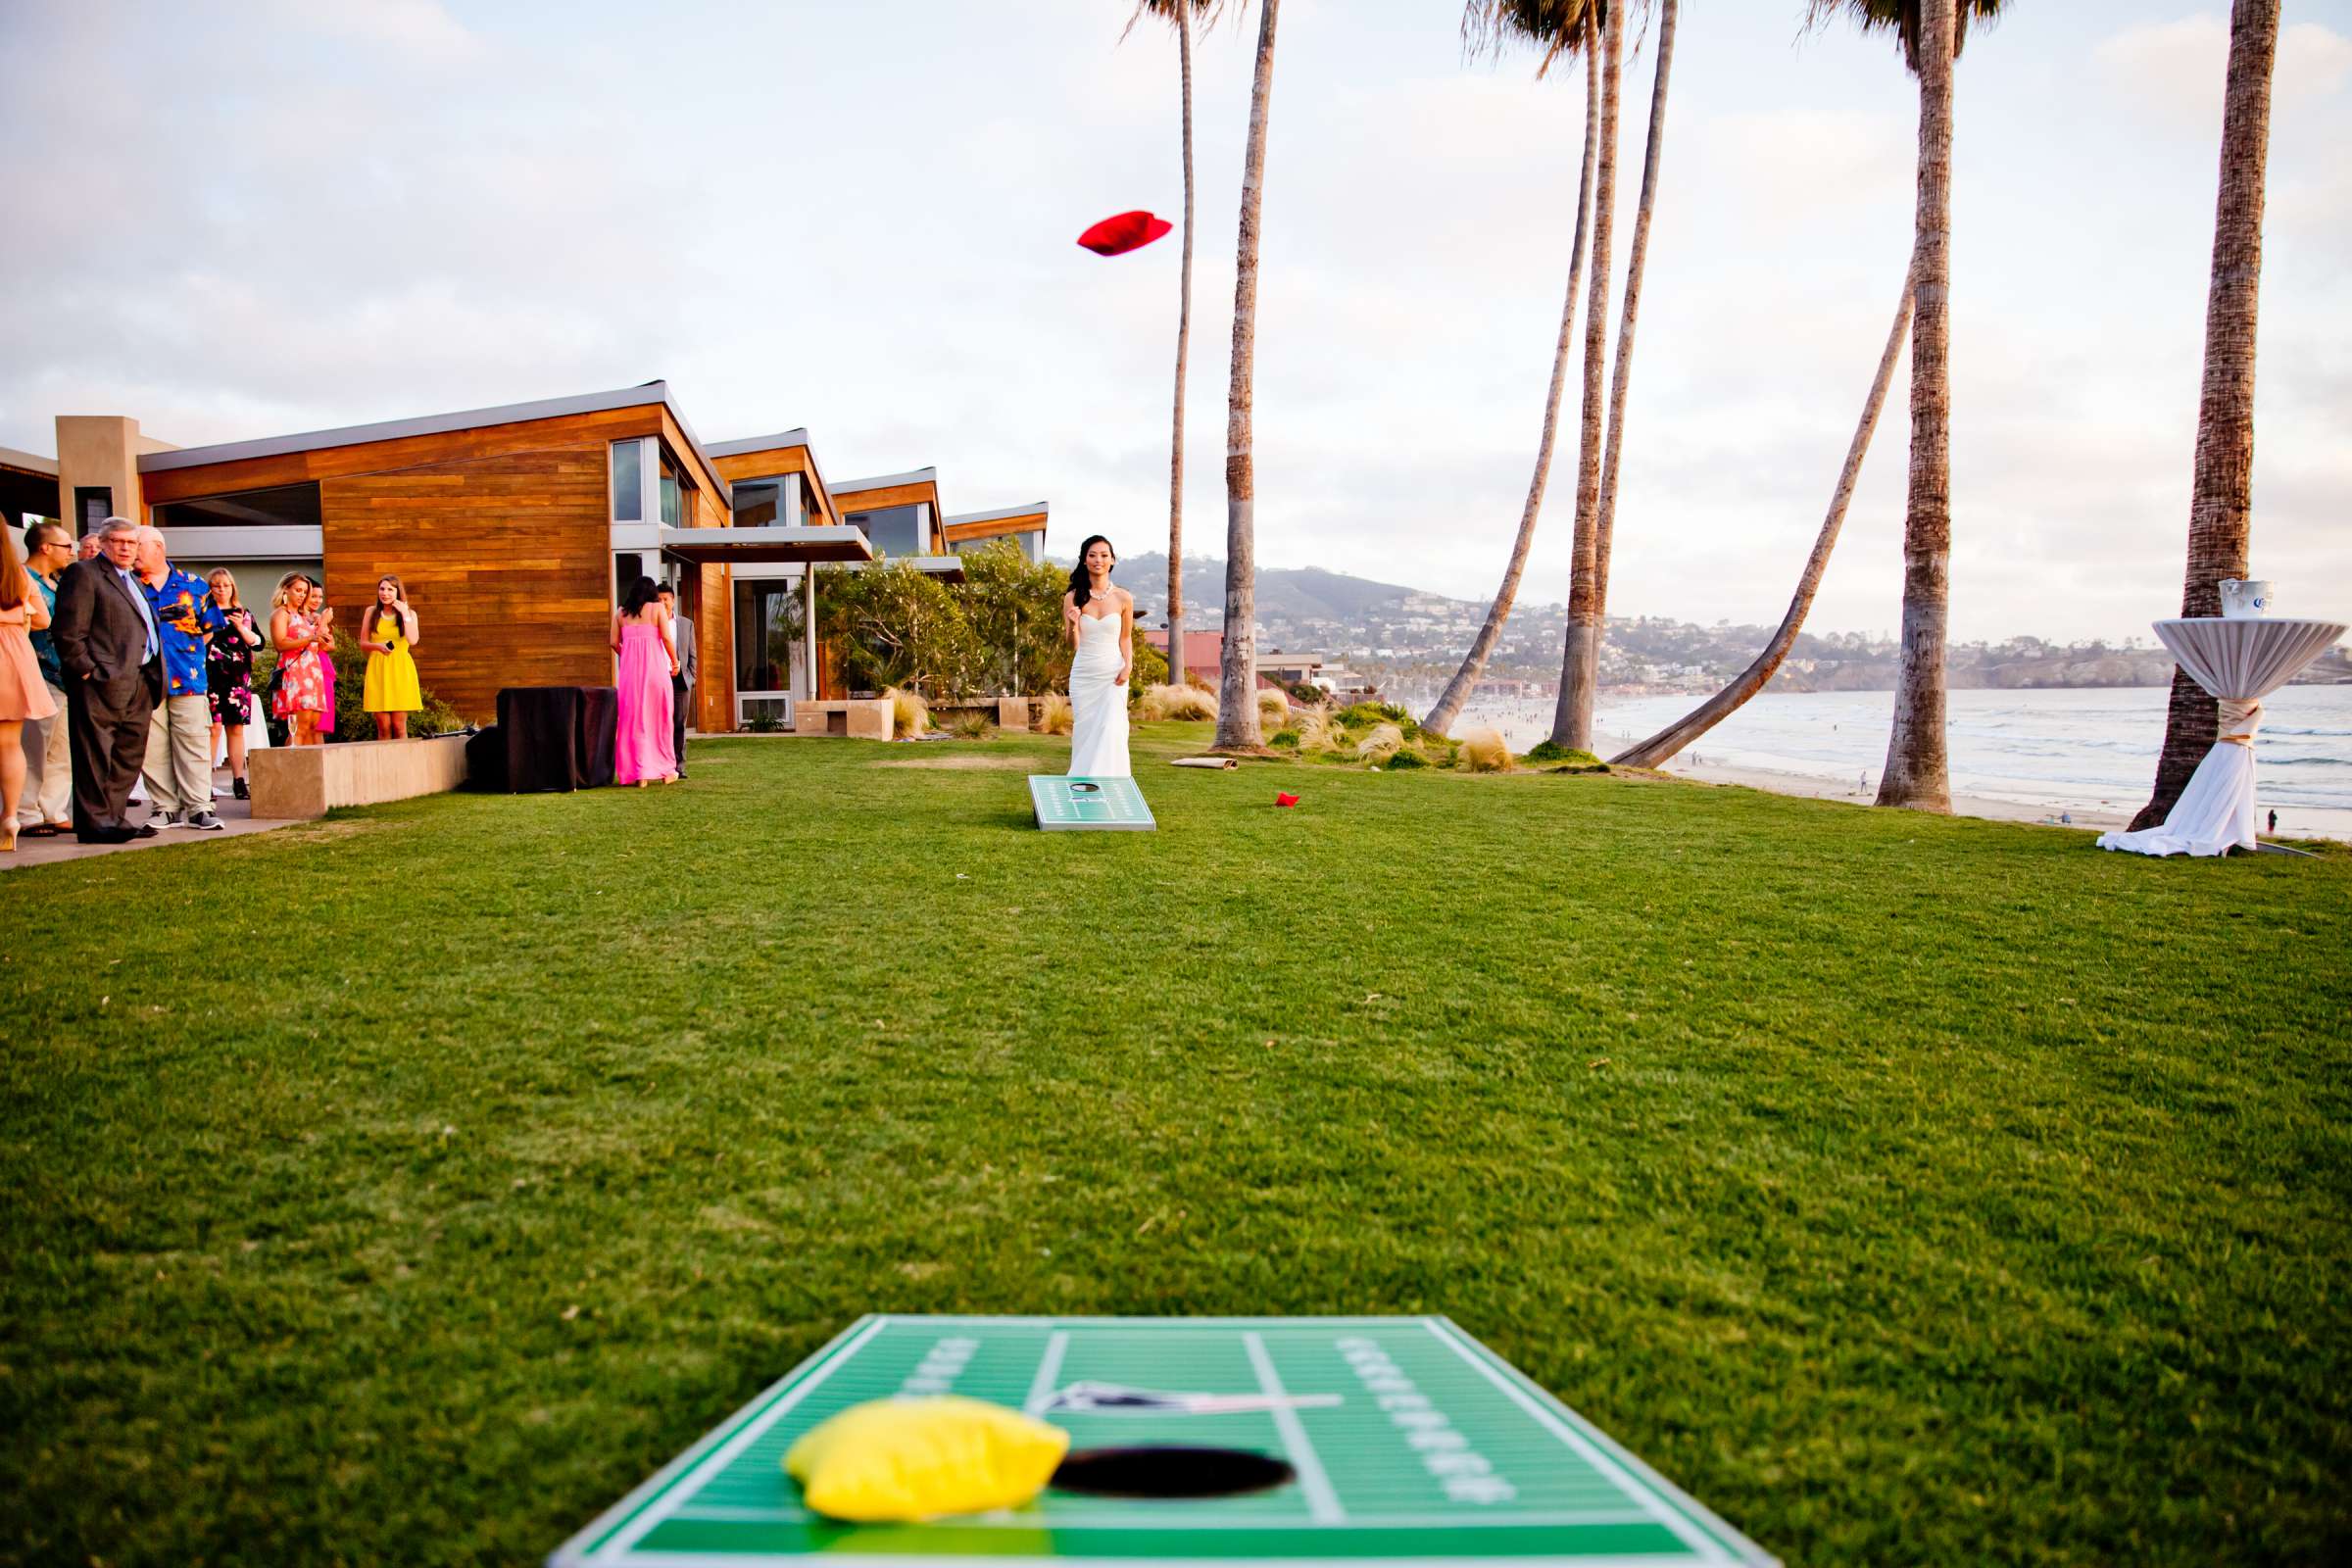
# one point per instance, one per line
(1116, 236)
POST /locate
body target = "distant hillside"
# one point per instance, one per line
(1298, 594)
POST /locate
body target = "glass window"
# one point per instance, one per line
(673, 494)
(628, 481)
(766, 618)
(893, 531)
(755, 505)
(286, 505)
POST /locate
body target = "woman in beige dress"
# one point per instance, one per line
(24, 694)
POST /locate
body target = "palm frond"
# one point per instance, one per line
(1204, 13)
(1558, 28)
(1901, 18)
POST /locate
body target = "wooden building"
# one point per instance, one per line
(514, 530)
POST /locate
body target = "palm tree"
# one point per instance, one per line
(1932, 33)
(1180, 13)
(1582, 557)
(1567, 27)
(1579, 674)
(1751, 680)
(1236, 707)
(2219, 497)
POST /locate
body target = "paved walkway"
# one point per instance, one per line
(236, 817)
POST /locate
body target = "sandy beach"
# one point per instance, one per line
(1813, 787)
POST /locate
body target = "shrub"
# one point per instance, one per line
(1375, 713)
(1178, 702)
(1407, 760)
(1484, 750)
(353, 721)
(1385, 741)
(1273, 709)
(765, 725)
(969, 726)
(1284, 739)
(1548, 750)
(1054, 715)
(909, 715)
(1150, 669)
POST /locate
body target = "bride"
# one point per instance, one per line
(1099, 620)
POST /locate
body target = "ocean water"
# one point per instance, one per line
(2080, 750)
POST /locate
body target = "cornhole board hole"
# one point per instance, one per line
(1410, 1443)
(1069, 804)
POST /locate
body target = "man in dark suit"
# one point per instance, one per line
(681, 685)
(112, 655)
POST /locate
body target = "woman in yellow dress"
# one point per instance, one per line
(386, 635)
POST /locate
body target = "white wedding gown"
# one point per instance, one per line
(1098, 703)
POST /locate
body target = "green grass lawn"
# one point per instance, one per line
(406, 1186)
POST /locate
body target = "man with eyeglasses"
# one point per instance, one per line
(110, 653)
(48, 775)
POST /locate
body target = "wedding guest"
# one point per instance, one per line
(228, 676)
(386, 634)
(112, 655)
(648, 662)
(325, 618)
(42, 811)
(682, 686)
(23, 693)
(295, 636)
(88, 549)
(179, 730)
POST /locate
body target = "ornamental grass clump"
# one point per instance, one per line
(1484, 750)
(1384, 742)
(969, 726)
(1315, 734)
(1054, 715)
(909, 714)
(1273, 709)
(1188, 702)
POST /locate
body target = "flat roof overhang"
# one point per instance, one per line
(718, 547)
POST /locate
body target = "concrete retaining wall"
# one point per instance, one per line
(305, 781)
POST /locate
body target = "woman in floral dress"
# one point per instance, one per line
(229, 675)
(297, 637)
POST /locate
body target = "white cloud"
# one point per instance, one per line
(2172, 73)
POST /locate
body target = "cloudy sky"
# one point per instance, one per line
(242, 220)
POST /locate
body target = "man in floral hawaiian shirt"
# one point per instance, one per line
(179, 735)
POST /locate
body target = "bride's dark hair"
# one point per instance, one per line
(1080, 589)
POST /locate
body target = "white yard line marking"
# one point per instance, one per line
(1048, 1371)
(1322, 1504)
(1642, 1497)
(675, 1498)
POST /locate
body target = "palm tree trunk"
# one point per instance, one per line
(1572, 716)
(1237, 705)
(1183, 340)
(1457, 691)
(1604, 525)
(1654, 750)
(1916, 774)
(2220, 525)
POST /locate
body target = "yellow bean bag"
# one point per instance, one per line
(894, 1461)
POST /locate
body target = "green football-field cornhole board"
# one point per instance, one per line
(1411, 1443)
(1071, 804)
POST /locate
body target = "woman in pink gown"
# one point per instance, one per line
(642, 751)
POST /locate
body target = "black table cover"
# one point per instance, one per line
(558, 737)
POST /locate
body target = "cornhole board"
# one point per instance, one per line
(1067, 803)
(1412, 1444)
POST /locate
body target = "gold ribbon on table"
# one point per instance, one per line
(2241, 718)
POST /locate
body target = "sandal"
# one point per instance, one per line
(43, 830)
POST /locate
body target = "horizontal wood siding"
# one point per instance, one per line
(411, 452)
(959, 533)
(770, 462)
(507, 560)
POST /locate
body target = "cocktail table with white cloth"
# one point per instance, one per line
(2240, 661)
